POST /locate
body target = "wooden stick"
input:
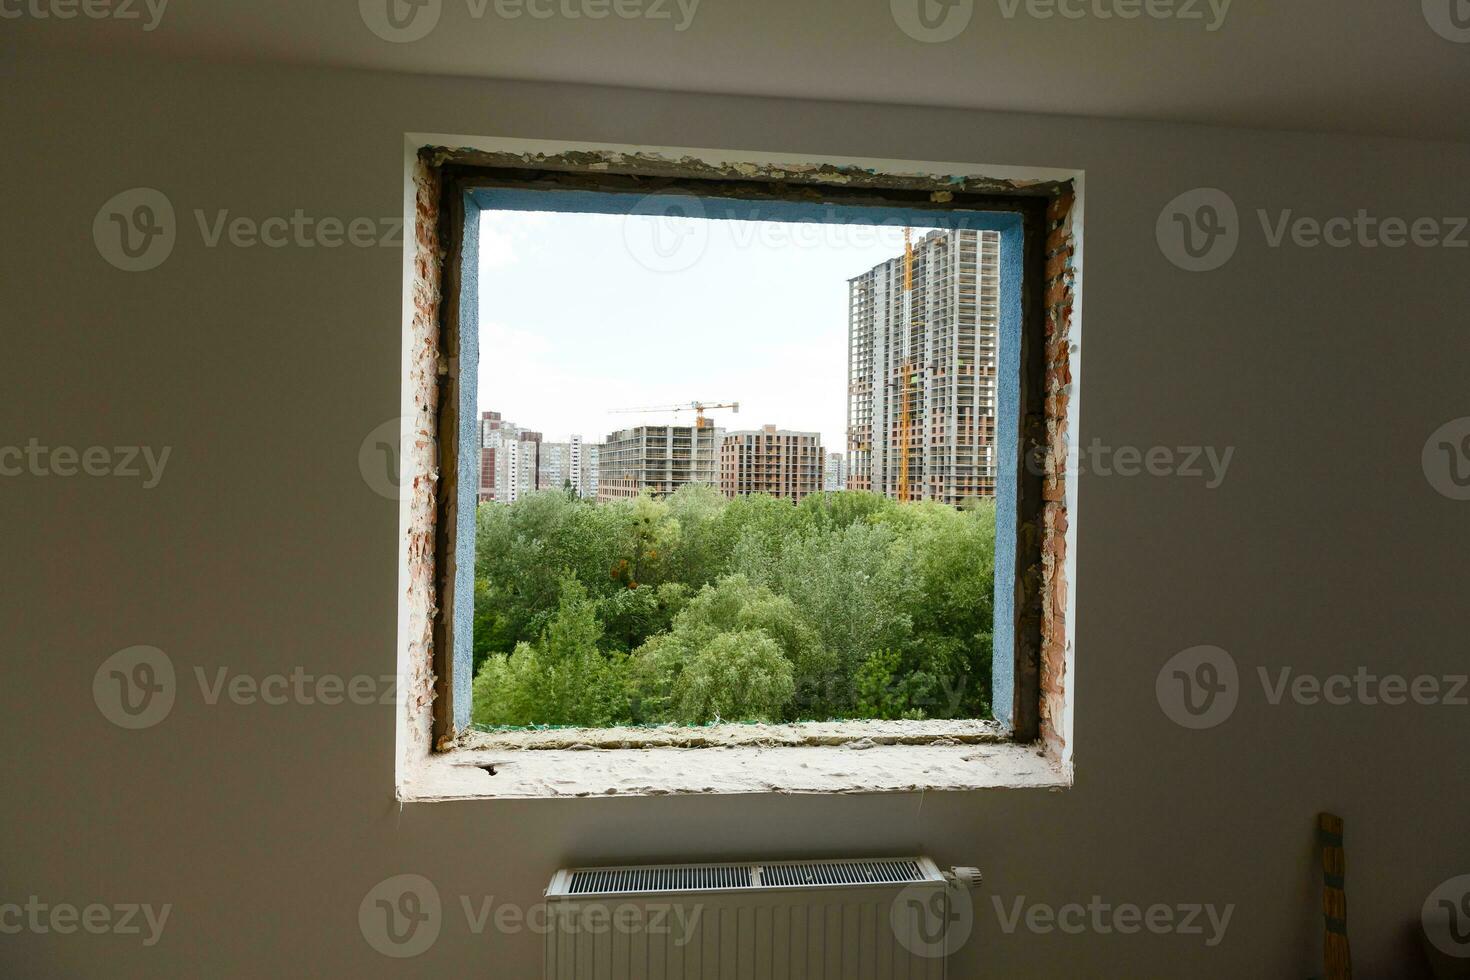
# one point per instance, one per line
(1336, 956)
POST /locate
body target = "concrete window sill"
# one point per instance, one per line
(817, 757)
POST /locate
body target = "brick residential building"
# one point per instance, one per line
(769, 460)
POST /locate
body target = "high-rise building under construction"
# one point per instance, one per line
(922, 329)
(659, 459)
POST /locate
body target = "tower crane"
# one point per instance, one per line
(699, 408)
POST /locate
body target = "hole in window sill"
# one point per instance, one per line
(812, 757)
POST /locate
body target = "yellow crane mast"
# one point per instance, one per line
(906, 371)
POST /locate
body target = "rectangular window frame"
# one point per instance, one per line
(1039, 246)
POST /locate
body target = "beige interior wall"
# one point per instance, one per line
(263, 550)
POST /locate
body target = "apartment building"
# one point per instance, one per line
(554, 468)
(835, 477)
(930, 350)
(590, 458)
(490, 442)
(571, 464)
(769, 460)
(659, 458)
(510, 459)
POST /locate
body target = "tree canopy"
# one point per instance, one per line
(695, 608)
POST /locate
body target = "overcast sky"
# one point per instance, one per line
(584, 313)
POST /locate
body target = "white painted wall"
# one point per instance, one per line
(263, 550)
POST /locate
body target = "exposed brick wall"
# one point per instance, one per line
(420, 463)
(1060, 284)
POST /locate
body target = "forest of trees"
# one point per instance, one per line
(695, 608)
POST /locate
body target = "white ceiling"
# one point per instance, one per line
(1354, 66)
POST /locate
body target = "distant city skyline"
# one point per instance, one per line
(576, 319)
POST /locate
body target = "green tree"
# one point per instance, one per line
(632, 615)
(737, 676)
(698, 543)
(950, 555)
(593, 612)
(851, 590)
(732, 605)
(563, 679)
(832, 511)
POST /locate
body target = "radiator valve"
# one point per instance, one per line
(968, 877)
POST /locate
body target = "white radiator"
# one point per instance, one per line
(875, 919)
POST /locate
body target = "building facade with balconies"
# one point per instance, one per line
(779, 462)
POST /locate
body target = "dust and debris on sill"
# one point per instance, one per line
(809, 757)
(957, 732)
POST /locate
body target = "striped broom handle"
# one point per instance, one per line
(1336, 956)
